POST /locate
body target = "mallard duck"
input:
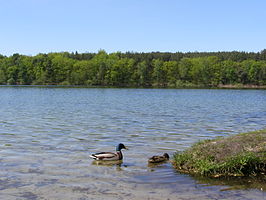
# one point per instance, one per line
(158, 159)
(110, 155)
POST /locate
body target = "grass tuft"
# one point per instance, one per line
(239, 155)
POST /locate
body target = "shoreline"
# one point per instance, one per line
(242, 86)
(237, 86)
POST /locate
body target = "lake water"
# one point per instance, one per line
(48, 133)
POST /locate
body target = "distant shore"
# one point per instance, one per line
(237, 86)
(240, 86)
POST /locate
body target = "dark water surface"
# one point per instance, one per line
(47, 135)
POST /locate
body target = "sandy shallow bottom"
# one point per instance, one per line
(111, 190)
(89, 180)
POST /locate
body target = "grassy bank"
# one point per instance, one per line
(239, 155)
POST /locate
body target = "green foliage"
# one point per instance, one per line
(143, 74)
(193, 69)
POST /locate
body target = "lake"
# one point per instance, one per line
(48, 133)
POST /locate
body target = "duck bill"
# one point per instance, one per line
(126, 148)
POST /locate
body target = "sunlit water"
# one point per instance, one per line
(47, 135)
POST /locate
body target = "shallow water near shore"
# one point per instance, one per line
(47, 135)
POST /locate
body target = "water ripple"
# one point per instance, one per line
(47, 135)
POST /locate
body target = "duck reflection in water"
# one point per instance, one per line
(108, 163)
(114, 163)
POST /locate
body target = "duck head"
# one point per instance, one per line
(166, 156)
(120, 146)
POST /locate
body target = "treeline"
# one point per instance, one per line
(131, 69)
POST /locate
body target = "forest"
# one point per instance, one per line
(132, 69)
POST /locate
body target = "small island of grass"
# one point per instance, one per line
(238, 155)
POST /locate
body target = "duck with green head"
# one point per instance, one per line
(110, 155)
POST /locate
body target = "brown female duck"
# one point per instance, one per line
(159, 159)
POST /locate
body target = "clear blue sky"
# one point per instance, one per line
(40, 26)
